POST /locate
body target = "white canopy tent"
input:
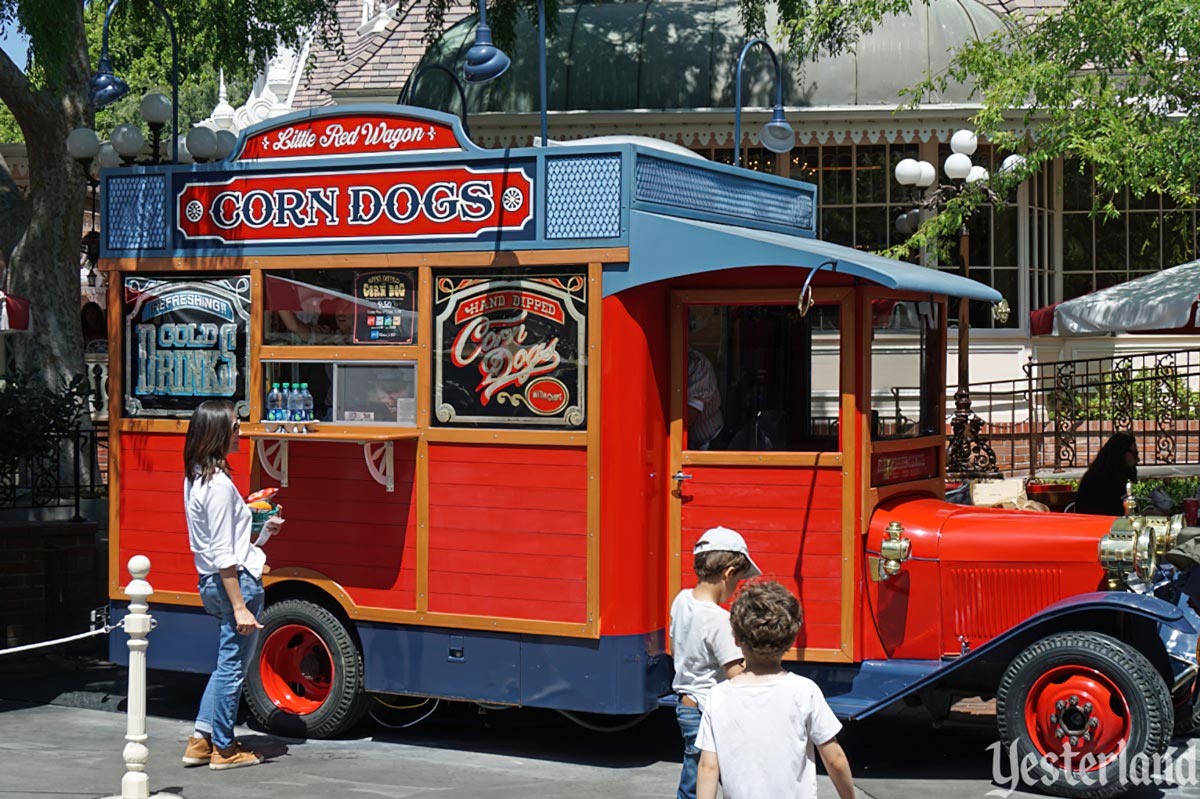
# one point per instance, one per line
(1164, 302)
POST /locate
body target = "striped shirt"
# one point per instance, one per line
(705, 396)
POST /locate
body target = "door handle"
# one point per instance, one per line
(679, 476)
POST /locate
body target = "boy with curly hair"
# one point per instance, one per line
(701, 639)
(760, 728)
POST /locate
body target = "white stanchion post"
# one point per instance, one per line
(136, 783)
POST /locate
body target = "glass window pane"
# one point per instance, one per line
(1178, 239)
(1005, 232)
(837, 187)
(384, 393)
(1077, 242)
(871, 228)
(980, 226)
(340, 306)
(804, 164)
(1077, 186)
(903, 368)
(1076, 284)
(1005, 282)
(899, 152)
(318, 376)
(837, 225)
(762, 377)
(1110, 245)
(872, 176)
(1145, 250)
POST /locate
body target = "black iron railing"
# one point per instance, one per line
(1059, 415)
(74, 467)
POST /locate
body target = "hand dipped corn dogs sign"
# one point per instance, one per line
(509, 348)
(488, 201)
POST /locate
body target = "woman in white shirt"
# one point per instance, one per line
(230, 569)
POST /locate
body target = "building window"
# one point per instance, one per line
(1150, 234)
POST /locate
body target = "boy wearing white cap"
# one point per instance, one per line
(702, 639)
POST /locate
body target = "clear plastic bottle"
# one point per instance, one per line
(274, 404)
(295, 405)
(307, 402)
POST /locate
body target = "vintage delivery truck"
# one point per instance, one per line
(501, 487)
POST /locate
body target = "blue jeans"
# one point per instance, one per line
(219, 705)
(689, 727)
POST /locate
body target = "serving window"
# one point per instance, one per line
(370, 393)
(340, 306)
(763, 377)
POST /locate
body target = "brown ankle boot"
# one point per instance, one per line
(233, 757)
(199, 751)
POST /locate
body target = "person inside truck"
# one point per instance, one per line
(1102, 488)
(705, 420)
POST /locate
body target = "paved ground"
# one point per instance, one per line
(61, 732)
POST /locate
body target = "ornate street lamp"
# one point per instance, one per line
(105, 88)
(487, 62)
(776, 135)
(968, 452)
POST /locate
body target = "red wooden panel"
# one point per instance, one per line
(791, 519)
(487, 513)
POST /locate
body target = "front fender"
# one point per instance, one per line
(1177, 625)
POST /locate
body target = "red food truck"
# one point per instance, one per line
(500, 488)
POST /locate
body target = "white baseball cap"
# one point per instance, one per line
(722, 539)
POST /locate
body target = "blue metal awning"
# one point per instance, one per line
(662, 247)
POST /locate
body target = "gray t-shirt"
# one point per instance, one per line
(702, 645)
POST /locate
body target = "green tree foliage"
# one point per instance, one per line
(1112, 83)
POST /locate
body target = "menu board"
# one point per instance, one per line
(385, 307)
(185, 342)
(510, 348)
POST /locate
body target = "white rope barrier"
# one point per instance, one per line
(105, 630)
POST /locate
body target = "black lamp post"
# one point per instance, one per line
(968, 452)
(487, 62)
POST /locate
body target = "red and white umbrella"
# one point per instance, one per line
(1164, 302)
(14, 314)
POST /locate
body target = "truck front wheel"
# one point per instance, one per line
(307, 680)
(1081, 713)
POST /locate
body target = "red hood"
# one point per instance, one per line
(963, 533)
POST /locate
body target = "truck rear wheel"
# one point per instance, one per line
(1088, 695)
(307, 680)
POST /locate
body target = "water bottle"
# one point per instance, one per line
(275, 404)
(295, 405)
(307, 402)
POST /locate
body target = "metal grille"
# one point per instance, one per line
(699, 189)
(583, 197)
(988, 601)
(135, 212)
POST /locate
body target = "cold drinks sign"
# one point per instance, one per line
(185, 342)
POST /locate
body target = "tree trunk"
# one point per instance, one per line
(44, 266)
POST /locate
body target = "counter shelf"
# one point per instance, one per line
(378, 448)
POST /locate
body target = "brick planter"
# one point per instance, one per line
(49, 580)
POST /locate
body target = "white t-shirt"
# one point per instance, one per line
(701, 644)
(219, 526)
(764, 734)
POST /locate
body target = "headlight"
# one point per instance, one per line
(1135, 543)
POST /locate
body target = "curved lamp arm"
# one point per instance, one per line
(406, 95)
(105, 66)
(737, 100)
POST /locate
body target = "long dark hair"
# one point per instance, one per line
(1110, 460)
(208, 437)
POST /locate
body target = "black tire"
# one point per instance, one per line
(306, 679)
(1071, 665)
